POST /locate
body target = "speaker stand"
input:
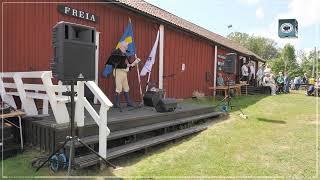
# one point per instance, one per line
(228, 99)
(72, 139)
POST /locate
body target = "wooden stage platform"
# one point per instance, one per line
(131, 130)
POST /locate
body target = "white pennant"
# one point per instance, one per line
(150, 61)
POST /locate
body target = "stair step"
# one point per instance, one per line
(92, 159)
(128, 132)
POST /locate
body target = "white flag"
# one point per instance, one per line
(150, 61)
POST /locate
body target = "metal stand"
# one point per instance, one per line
(228, 99)
(72, 139)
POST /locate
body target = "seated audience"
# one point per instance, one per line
(220, 80)
(286, 79)
(260, 74)
(292, 87)
(269, 81)
(310, 90)
(280, 83)
(252, 74)
(311, 81)
(297, 82)
(305, 79)
(314, 85)
(267, 70)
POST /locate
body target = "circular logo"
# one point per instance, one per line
(286, 28)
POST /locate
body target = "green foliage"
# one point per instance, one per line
(279, 59)
(287, 61)
(263, 47)
(307, 61)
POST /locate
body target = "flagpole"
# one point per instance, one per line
(139, 80)
(148, 81)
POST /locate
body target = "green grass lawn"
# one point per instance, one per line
(278, 139)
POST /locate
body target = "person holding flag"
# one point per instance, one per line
(121, 66)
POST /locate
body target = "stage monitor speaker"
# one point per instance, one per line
(74, 50)
(230, 63)
(166, 105)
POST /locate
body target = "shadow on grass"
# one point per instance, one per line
(239, 101)
(272, 121)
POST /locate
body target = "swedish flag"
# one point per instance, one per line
(128, 37)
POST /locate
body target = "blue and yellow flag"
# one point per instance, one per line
(128, 37)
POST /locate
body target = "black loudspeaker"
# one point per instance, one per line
(230, 63)
(74, 52)
(151, 98)
(166, 105)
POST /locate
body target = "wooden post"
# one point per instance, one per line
(215, 70)
(79, 115)
(28, 103)
(161, 54)
(95, 100)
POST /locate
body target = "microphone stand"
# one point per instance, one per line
(72, 138)
(228, 101)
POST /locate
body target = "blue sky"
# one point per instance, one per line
(257, 17)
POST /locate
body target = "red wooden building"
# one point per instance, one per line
(187, 55)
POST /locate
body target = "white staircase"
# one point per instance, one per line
(15, 84)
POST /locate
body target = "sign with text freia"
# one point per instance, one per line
(67, 10)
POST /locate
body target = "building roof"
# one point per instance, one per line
(149, 9)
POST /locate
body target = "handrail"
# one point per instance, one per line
(24, 74)
(57, 103)
(28, 92)
(98, 93)
(100, 117)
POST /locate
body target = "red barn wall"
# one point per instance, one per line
(198, 57)
(27, 37)
(27, 45)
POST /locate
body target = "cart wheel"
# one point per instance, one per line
(63, 161)
(54, 163)
(224, 108)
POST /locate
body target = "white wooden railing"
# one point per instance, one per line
(48, 92)
(100, 118)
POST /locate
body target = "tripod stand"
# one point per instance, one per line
(72, 139)
(228, 100)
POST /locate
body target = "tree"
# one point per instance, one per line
(280, 59)
(307, 61)
(263, 47)
(287, 61)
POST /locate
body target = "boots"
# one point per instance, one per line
(129, 102)
(116, 101)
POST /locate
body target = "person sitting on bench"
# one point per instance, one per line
(280, 83)
(269, 81)
(297, 82)
(220, 80)
(286, 79)
(311, 89)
